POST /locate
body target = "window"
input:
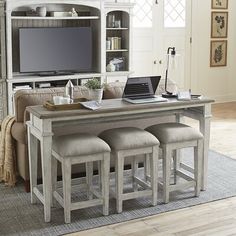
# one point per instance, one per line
(142, 13)
(174, 13)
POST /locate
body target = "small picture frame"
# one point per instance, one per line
(218, 55)
(219, 24)
(219, 4)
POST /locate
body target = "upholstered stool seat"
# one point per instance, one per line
(79, 144)
(77, 149)
(174, 136)
(174, 132)
(131, 142)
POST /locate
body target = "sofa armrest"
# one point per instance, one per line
(18, 132)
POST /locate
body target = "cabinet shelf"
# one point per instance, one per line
(22, 78)
(118, 50)
(118, 73)
(118, 43)
(55, 18)
(116, 29)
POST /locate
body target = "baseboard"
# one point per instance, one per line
(224, 98)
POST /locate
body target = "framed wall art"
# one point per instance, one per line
(219, 24)
(218, 55)
(219, 4)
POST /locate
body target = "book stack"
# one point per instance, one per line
(20, 87)
(115, 43)
(60, 13)
(44, 85)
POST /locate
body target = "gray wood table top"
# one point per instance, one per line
(111, 107)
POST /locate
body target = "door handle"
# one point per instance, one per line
(155, 62)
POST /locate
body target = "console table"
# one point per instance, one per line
(42, 122)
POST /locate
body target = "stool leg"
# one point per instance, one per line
(66, 175)
(166, 173)
(134, 173)
(105, 179)
(119, 181)
(177, 159)
(33, 163)
(175, 165)
(89, 179)
(154, 174)
(99, 175)
(198, 154)
(54, 178)
(146, 167)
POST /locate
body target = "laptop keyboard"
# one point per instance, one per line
(146, 100)
(142, 97)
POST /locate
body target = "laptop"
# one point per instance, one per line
(142, 90)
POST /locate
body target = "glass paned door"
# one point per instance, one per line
(177, 33)
(143, 13)
(145, 43)
(175, 13)
(159, 24)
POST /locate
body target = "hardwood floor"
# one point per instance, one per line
(223, 129)
(215, 218)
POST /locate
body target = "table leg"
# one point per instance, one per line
(46, 176)
(205, 130)
(33, 163)
(46, 151)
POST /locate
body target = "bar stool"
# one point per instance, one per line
(130, 142)
(173, 136)
(77, 149)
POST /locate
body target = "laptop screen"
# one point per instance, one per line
(141, 86)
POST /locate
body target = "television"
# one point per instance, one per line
(67, 49)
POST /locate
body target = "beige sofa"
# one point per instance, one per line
(26, 98)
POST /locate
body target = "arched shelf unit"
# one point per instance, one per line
(92, 13)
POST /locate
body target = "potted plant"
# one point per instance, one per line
(95, 89)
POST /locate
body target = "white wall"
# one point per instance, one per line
(220, 82)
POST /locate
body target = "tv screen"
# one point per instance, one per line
(55, 49)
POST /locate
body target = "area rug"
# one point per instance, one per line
(19, 217)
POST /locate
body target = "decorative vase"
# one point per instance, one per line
(41, 11)
(73, 12)
(111, 67)
(69, 90)
(96, 95)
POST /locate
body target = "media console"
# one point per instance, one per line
(91, 13)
